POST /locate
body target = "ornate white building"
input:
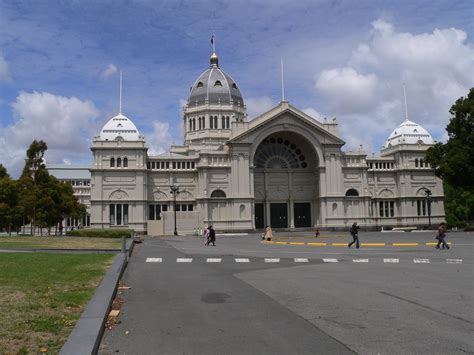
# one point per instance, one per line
(282, 168)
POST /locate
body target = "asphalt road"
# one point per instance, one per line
(192, 299)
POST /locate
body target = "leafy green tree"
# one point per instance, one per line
(454, 162)
(10, 213)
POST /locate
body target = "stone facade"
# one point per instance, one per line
(282, 168)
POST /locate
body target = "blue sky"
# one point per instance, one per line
(59, 63)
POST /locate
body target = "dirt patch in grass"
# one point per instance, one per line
(23, 242)
(42, 296)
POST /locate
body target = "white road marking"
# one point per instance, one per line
(242, 260)
(328, 260)
(154, 260)
(421, 261)
(360, 260)
(213, 260)
(272, 260)
(453, 261)
(391, 261)
(184, 260)
(301, 260)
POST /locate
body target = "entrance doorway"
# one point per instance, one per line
(279, 215)
(259, 213)
(302, 215)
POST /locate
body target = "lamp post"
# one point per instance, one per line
(174, 191)
(428, 194)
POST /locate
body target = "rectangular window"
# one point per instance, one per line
(151, 212)
(174, 165)
(392, 209)
(192, 165)
(178, 207)
(118, 214)
(423, 207)
(381, 208)
(164, 208)
(162, 165)
(148, 165)
(125, 214)
(418, 207)
(190, 207)
(112, 214)
(184, 208)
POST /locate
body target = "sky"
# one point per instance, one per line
(60, 63)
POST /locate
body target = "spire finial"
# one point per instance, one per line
(282, 81)
(214, 57)
(406, 107)
(120, 100)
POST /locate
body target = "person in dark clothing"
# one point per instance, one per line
(441, 235)
(355, 235)
(212, 235)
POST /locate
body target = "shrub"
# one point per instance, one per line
(100, 233)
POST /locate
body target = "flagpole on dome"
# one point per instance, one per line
(120, 98)
(214, 57)
(406, 106)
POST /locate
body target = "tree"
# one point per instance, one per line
(454, 162)
(10, 213)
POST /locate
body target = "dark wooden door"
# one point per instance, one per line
(279, 215)
(302, 215)
(259, 213)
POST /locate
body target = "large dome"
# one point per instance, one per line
(409, 133)
(120, 126)
(215, 86)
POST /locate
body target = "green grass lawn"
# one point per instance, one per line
(58, 242)
(42, 296)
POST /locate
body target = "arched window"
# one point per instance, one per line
(190, 124)
(215, 122)
(112, 162)
(217, 83)
(125, 162)
(199, 121)
(218, 194)
(222, 122)
(234, 86)
(227, 122)
(194, 124)
(352, 193)
(421, 163)
(200, 85)
(119, 162)
(203, 122)
(211, 122)
(416, 163)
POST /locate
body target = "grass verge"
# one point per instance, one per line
(58, 243)
(42, 296)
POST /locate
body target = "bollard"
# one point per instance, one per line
(123, 244)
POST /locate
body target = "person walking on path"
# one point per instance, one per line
(268, 234)
(212, 236)
(441, 235)
(355, 235)
(207, 235)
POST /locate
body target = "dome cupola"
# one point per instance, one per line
(408, 133)
(120, 127)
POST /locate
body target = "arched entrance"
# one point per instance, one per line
(286, 182)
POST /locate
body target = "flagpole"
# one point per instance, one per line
(282, 82)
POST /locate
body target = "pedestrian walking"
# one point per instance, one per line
(441, 235)
(268, 233)
(212, 236)
(316, 234)
(207, 235)
(355, 235)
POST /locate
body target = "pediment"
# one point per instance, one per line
(286, 117)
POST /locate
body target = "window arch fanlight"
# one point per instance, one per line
(119, 162)
(217, 83)
(200, 85)
(125, 162)
(352, 193)
(227, 122)
(218, 194)
(112, 162)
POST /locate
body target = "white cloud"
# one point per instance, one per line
(160, 139)
(348, 90)
(4, 72)
(437, 68)
(107, 72)
(258, 105)
(62, 122)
